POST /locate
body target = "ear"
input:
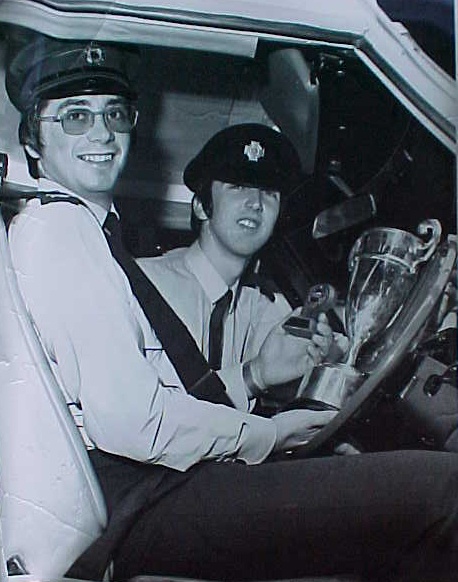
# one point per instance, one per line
(198, 209)
(32, 152)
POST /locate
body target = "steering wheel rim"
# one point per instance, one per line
(402, 334)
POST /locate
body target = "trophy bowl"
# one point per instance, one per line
(383, 265)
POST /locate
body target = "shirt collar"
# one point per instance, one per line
(213, 284)
(45, 185)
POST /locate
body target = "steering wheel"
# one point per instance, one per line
(389, 353)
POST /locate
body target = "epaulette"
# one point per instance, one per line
(48, 197)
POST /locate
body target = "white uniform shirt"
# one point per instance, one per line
(105, 354)
(191, 285)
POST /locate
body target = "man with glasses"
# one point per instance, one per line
(78, 108)
(207, 506)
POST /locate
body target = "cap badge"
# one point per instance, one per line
(254, 151)
(94, 55)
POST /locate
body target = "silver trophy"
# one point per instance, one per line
(383, 266)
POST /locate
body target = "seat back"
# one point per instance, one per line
(52, 506)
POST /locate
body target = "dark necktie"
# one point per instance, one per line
(215, 342)
(180, 346)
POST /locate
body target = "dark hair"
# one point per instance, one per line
(204, 194)
(29, 134)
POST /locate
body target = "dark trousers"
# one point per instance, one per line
(386, 516)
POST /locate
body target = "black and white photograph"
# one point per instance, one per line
(228, 291)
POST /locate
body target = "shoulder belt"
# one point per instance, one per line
(189, 362)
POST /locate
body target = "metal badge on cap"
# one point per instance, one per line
(94, 55)
(254, 151)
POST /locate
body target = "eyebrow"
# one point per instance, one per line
(86, 103)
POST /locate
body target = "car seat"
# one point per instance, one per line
(52, 506)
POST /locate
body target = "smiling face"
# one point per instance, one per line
(242, 220)
(87, 164)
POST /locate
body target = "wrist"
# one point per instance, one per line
(252, 377)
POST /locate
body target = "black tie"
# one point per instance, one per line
(113, 234)
(215, 342)
(181, 348)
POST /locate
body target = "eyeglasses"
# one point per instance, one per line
(119, 118)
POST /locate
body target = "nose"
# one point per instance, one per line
(254, 199)
(100, 131)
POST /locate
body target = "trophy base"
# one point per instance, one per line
(330, 386)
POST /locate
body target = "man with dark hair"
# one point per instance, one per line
(240, 180)
(212, 508)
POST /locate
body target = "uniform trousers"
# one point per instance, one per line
(382, 516)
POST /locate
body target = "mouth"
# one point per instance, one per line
(249, 223)
(97, 158)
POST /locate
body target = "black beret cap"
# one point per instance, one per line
(41, 67)
(248, 154)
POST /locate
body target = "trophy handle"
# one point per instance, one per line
(432, 228)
